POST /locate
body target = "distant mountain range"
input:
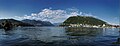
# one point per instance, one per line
(14, 22)
(38, 22)
(57, 24)
(71, 21)
(26, 22)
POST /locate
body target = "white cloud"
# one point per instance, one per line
(53, 16)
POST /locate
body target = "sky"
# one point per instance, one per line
(57, 11)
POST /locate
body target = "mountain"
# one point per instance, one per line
(84, 20)
(57, 24)
(15, 23)
(38, 22)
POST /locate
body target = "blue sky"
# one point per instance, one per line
(107, 10)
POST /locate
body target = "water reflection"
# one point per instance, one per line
(60, 36)
(46, 34)
(81, 31)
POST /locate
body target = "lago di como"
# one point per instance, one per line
(59, 22)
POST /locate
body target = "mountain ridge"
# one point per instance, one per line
(26, 23)
(14, 22)
(83, 20)
(38, 22)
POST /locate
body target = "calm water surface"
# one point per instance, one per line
(40, 36)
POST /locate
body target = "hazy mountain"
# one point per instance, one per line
(38, 22)
(57, 24)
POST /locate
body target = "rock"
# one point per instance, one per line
(7, 25)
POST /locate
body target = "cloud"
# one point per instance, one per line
(54, 16)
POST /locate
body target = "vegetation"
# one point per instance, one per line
(38, 22)
(14, 23)
(83, 20)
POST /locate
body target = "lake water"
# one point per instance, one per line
(59, 36)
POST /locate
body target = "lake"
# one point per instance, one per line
(59, 36)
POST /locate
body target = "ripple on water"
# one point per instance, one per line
(58, 36)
